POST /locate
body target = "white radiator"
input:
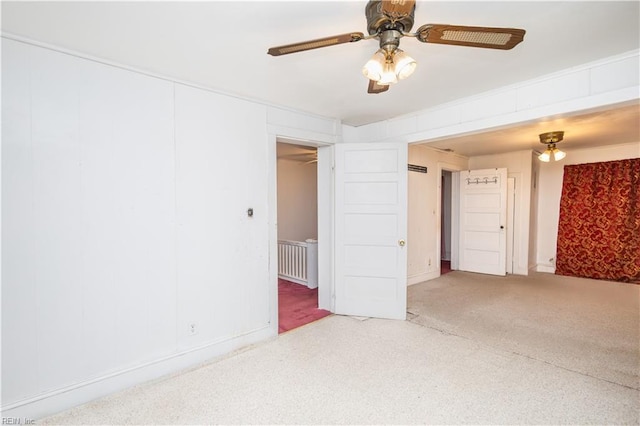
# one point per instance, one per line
(298, 262)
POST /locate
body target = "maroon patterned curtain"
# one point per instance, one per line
(599, 228)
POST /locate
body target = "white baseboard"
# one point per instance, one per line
(542, 267)
(415, 279)
(520, 271)
(52, 402)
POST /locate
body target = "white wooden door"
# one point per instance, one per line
(483, 219)
(370, 230)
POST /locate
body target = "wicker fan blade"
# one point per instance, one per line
(398, 8)
(374, 87)
(315, 44)
(492, 38)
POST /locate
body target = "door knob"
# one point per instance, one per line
(401, 243)
(501, 227)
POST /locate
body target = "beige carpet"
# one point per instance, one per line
(536, 350)
(587, 326)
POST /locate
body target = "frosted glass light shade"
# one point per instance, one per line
(374, 68)
(545, 156)
(552, 152)
(388, 75)
(405, 65)
(558, 155)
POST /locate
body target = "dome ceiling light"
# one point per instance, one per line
(551, 153)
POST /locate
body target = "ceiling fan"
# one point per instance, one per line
(389, 21)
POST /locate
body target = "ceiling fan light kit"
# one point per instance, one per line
(550, 139)
(389, 21)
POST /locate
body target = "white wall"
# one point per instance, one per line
(550, 185)
(88, 221)
(423, 242)
(518, 166)
(222, 253)
(297, 200)
(533, 211)
(124, 200)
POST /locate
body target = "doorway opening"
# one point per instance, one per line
(445, 220)
(297, 218)
(448, 216)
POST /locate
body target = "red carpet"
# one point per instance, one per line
(445, 266)
(297, 305)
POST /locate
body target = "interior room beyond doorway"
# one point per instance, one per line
(445, 222)
(297, 199)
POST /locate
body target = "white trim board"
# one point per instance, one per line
(82, 392)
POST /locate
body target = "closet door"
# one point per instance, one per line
(483, 221)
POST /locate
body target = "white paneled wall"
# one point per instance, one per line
(19, 323)
(127, 217)
(302, 127)
(222, 253)
(88, 191)
(127, 249)
(55, 163)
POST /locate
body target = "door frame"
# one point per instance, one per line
(455, 212)
(325, 223)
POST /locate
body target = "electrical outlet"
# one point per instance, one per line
(193, 329)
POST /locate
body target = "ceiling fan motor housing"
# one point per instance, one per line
(378, 20)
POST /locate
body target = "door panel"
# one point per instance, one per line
(371, 211)
(483, 219)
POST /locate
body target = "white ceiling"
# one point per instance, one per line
(600, 128)
(222, 45)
